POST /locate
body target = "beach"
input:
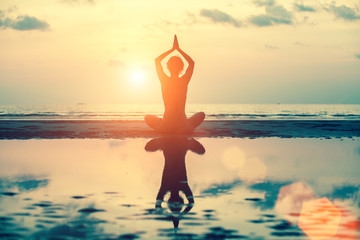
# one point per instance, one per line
(52, 129)
(100, 179)
(247, 172)
(262, 188)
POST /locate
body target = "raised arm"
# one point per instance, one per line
(159, 69)
(190, 69)
(160, 196)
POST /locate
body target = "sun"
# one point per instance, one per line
(137, 76)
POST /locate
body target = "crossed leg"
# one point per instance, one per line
(153, 121)
(195, 120)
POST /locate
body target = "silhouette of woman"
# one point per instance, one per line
(174, 91)
(174, 179)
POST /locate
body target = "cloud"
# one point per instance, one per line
(270, 46)
(344, 12)
(358, 56)
(275, 14)
(261, 20)
(297, 43)
(300, 7)
(4, 22)
(261, 3)
(22, 23)
(218, 16)
(279, 12)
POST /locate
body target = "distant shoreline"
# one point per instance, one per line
(214, 112)
(106, 129)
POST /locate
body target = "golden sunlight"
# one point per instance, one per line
(137, 76)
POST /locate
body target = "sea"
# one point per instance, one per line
(83, 111)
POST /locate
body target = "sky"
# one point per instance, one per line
(245, 51)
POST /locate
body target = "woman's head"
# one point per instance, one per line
(175, 202)
(175, 65)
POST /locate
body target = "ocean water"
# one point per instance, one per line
(213, 111)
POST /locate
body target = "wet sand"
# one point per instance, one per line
(125, 129)
(249, 179)
(242, 188)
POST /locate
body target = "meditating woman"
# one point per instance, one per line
(174, 91)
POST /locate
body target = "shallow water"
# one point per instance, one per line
(242, 189)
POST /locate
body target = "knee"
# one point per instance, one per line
(198, 117)
(149, 117)
(201, 115)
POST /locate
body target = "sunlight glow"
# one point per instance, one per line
(137, 77)
(319, 219)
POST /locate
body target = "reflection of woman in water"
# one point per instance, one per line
(174, 90)
(174, 179)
